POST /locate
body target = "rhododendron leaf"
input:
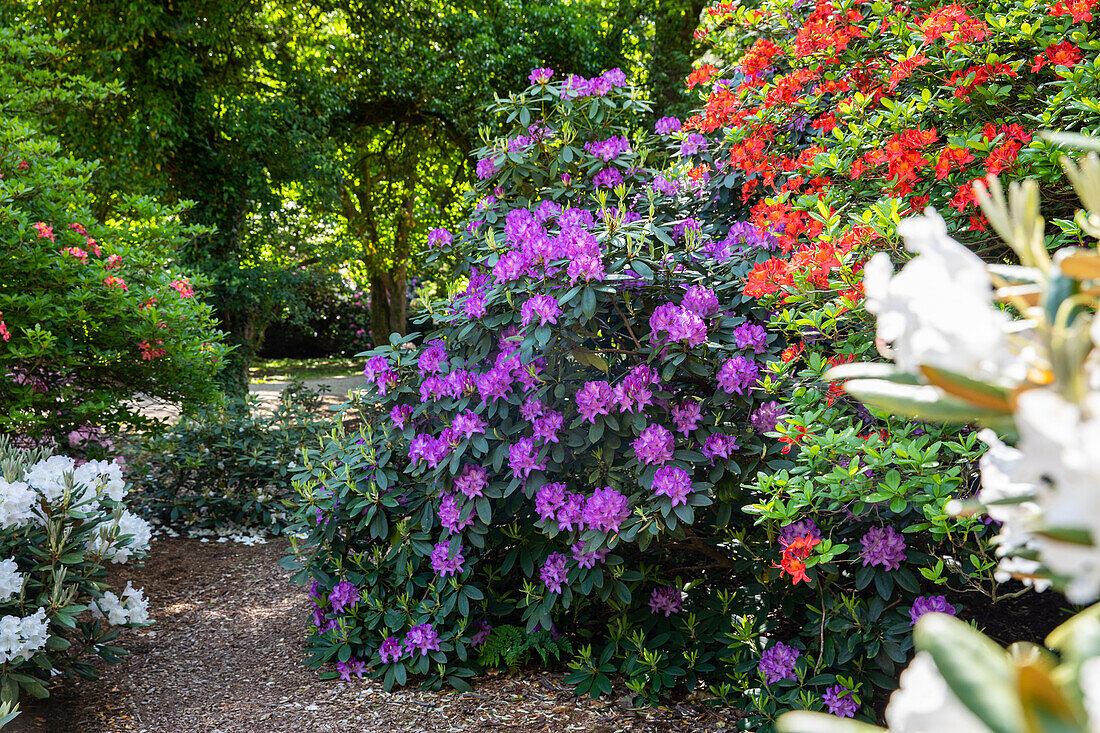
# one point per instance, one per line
(920, 401)
(591, 359)
(976, 669)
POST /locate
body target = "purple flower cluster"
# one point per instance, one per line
(633, 393)
(486, 168)
(667, 126)
(587, 268)
(422, 638)
(608, 178)
(838, 703)
(701, 300)
(606, 509)
(378, 370)
(536, 249)
(673, 482)
(523, 458)
(597, 86)
(680, 323)
(666, 600)
(442, 562)
(738, 375)
(391, 650)
(686, 417)
(553, 572)
(692, 144)
(750, 336)
(801, 528)
(929, 604)
(349, 668)
(483, 631)
(424, 447)
(472, 480)
(432, 358)
(439, 238)
(609, 149)
(587, 559)
(767, 417)
(343, 594)
(718, 445)
(467, 424)
(399, 414)
(654, 446)
(778, 663)
(454, 385)
(883, 546)
(547, 425)
(450, 515)
(472, 299)
(544, 306)
(667, 186)
(540, 76)
(594, 398)
(742, 236)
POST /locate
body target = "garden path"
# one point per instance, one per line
(225, 656)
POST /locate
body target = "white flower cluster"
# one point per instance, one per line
(21, 638)
(106, 542)
(925, 704)
(11, 580)
(131, 608)
(17, 501)
(939, 311)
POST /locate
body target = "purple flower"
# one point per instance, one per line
(609, 149)
(838, 703)
(450, 515)
(929, 604)
(692, 144)
(606, 509)
(594, 398)
(667, 126)
(737, 375)
(483, 631)
(666, 600)
(883, 546)
(686, 417)
(673, 482)
(442, 563)
(750, 335)
(571, 513)
(654, 446)
(439, 238)
(432, 358)
(349, 668)
(633, 393)
(701, 300)
(669, 187)
(495, 384)
(718, 445)
(587, 268)
(607, 178)
(523, 458)
(540, 76)
(511, 266)
(544, 306)
(344, 594)
(531, 409)
(767, 416)
(425, 447)
(423, 638)
(587, 559)
(467, 424)
(553, 572)
(375, 366)
(399, 414)
(472, 480)
(681, 324)
(391, 650)
(486, 168)
(546, 426)
(801, 528)
(549, 499)
(778, 663)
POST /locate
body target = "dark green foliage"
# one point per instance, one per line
(512, 646)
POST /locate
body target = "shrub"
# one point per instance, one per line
(91, 313)
(61, 526)
(568, 446)
(228, 463)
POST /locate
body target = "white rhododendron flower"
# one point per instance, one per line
(11, 580)
(938, 310)
(102, 476)
(1056, 468)
(17, 501)
(106, 540)
(1090, 688)
(48, 476)
(21, 638)
(131, 608)
(925, 704)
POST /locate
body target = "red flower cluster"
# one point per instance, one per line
(953, 22)
(827, 31)
(965, 80)
(1081, 10)
(759, 57)
(701, 75)
(1062, 54)
(795, 552)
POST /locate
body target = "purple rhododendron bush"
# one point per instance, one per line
(599, 445)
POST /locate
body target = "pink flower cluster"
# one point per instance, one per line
(605, 510)
(654, 446)
(673, 482)
(609, 149)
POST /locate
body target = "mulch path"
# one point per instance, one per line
(226, 655)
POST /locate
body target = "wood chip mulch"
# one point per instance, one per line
(225, 655)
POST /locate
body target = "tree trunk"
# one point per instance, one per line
(245, 333)
(671, 61)
(388, 304)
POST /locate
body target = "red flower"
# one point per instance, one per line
(949, 158)
(767, 277)
(1062, 54)
(701, 75)
(953, 22)
(1081, 10)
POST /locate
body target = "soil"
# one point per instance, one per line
(225, 655)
